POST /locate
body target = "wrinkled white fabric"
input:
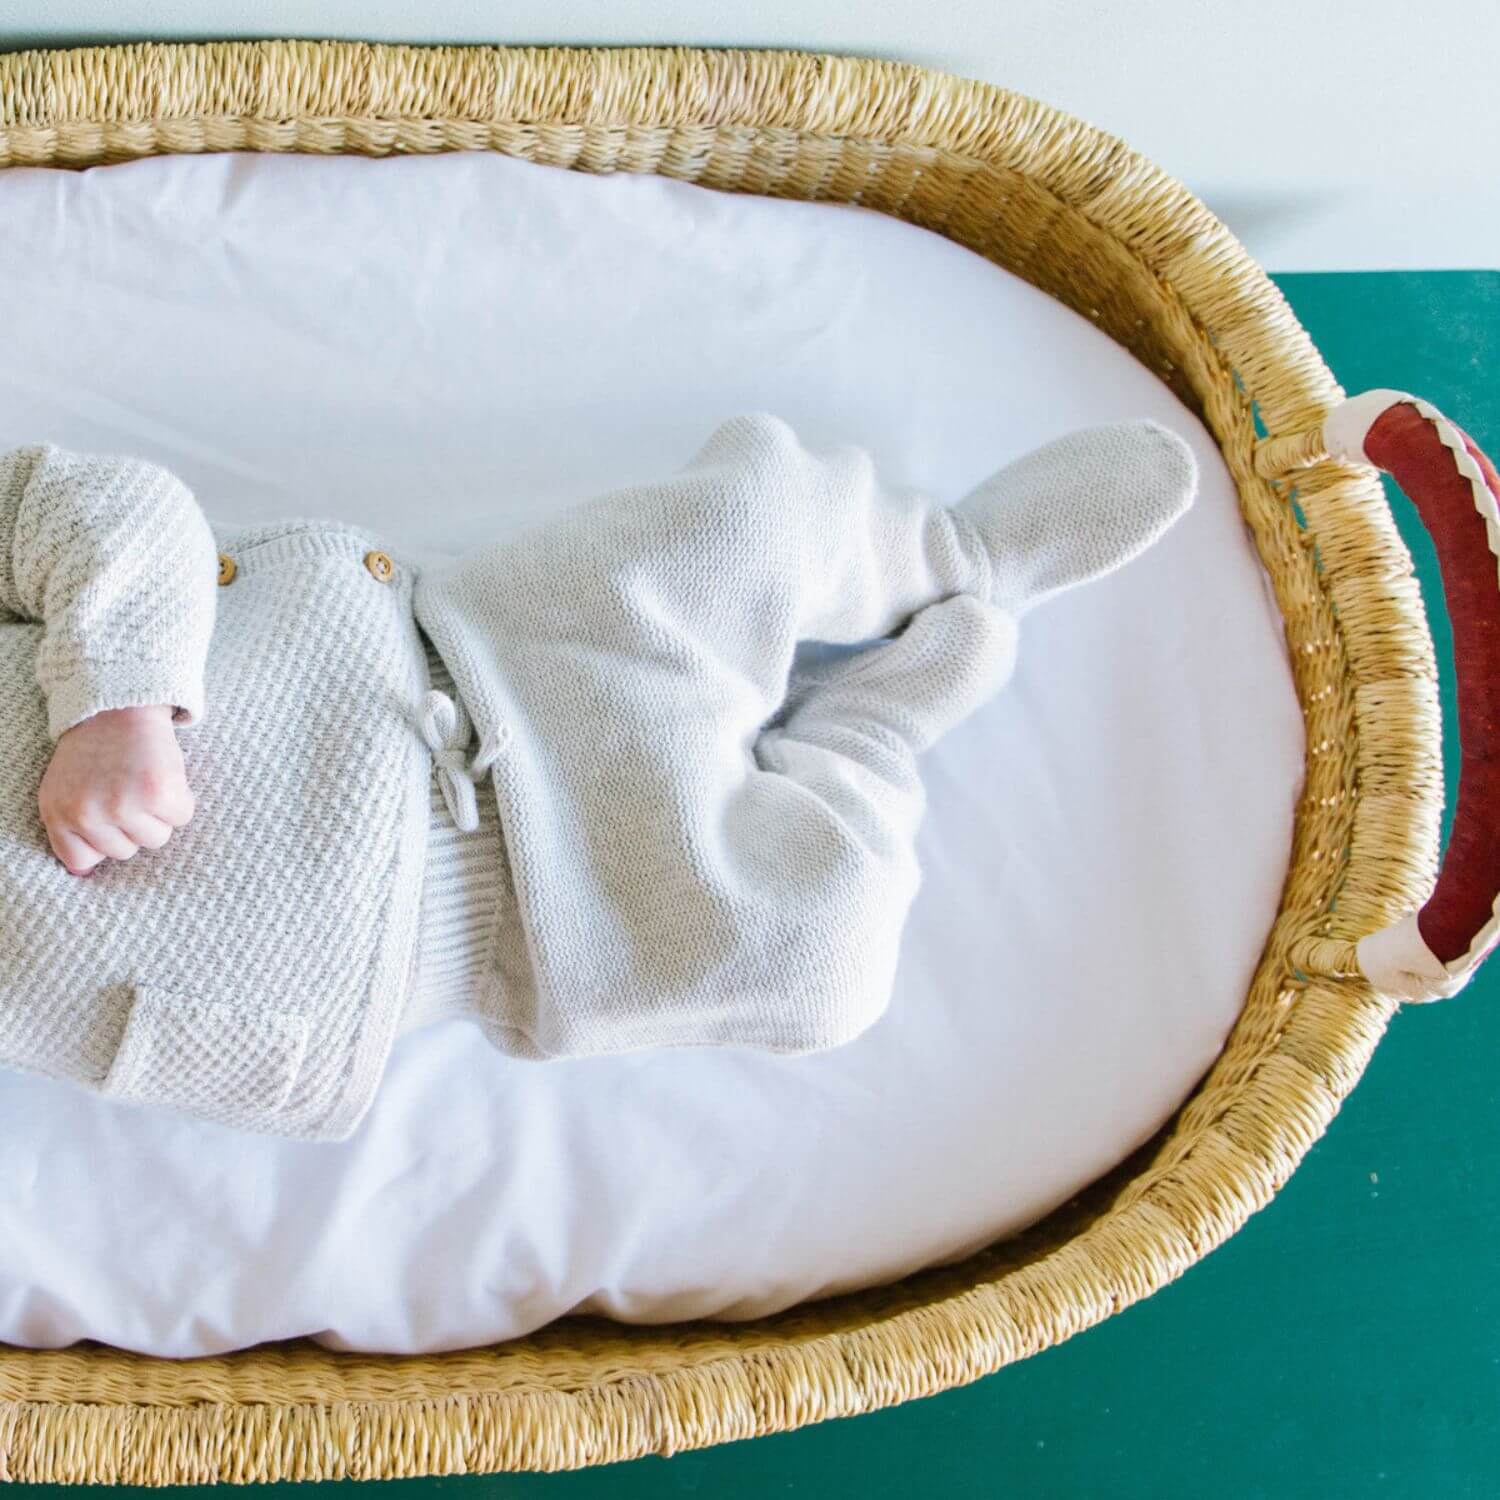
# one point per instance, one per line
(445, 348)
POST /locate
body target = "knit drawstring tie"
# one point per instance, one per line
(446, 729)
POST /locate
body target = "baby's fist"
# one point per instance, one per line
(116, 785)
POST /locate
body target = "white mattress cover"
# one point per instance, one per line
(440, 347)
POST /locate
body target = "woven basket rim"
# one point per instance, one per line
(585, 1391)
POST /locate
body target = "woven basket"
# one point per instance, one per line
(1082, 216)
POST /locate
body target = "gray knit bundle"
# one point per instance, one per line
(651, 823)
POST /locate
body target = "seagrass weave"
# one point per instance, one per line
(1081, 215)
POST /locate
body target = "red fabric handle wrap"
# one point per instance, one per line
(1406, 445)
(1456, 492)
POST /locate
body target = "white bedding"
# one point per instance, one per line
(436, 347)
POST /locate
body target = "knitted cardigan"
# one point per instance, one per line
(253, 970)
(702, 838)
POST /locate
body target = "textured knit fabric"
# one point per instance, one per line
(634, 816)
(119, 562)
(701, 848)
(253, 970)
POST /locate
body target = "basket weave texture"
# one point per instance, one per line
(1079, 214)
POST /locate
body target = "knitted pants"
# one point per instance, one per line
(709, 831)
(857, 581)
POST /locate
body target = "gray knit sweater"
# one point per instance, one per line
(633, 816)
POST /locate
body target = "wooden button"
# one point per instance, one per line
(380, 566)
(227, 569)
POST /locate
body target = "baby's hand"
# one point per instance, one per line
(116, 785)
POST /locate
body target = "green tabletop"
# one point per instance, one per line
(1347, 1341)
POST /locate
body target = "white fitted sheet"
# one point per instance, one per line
(439, 347)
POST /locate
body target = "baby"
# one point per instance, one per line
(580, 787)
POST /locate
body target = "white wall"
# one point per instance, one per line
(1328, 134)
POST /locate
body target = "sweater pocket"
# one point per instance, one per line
(212, 1059)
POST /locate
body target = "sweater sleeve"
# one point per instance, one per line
(116, 562)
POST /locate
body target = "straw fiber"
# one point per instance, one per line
(1079, 214)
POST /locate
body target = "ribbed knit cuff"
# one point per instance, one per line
(93, 687)
(460, 893)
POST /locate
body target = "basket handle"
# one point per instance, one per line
(1434, 952)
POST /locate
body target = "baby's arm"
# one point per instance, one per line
(113, 558)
